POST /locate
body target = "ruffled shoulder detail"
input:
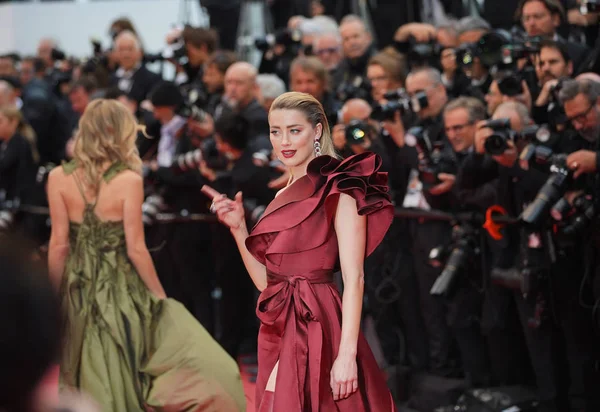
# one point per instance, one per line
(308, 207)
(357, 176)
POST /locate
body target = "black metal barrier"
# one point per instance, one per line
(399, 212)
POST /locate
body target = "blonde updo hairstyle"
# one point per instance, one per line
(313, 110)
(107, 134)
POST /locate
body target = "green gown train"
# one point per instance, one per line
(127, 349)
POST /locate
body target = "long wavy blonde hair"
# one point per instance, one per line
(313, 110)
(23, 128)
(107, 134)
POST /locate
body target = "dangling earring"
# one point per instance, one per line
(317, 148)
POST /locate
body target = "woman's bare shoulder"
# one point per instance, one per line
(57, 174)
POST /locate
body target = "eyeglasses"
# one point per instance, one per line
(580, 118)
(457, 128)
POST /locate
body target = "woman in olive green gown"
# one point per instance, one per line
(126, 344)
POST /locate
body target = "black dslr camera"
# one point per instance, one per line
(500, 50)
(433, 159)
(357, 131)
(497, 143)
(399, 101)
(465, 54)
(358, 88)
(175, 51)
(463, 250)
(420, 54)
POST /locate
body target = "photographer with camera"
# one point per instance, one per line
(386, 72)
(184, 263)
(494, 98)
(431, 167)
(464, 74)
(214, 79)
(552, 64)
(515, 186)
(236, 323)
(240, 97)
(194, 43)
(530, 261)
(358, 47)
(460, 279)
(542, 18)
(309, 75)
(581, 101)
(357, 133)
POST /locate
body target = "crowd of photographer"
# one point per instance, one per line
(489, 136)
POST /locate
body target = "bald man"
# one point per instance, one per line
(356, 109)
(241, 90)
(132, 76)
(240, 84)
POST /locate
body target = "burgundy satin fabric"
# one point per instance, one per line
(300, 310)
(295, 312)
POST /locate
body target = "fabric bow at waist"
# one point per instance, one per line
(290, 307)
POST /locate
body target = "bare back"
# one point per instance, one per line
(108, 201)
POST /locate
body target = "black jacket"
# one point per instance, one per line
(258, 120)
(181, 190)
(142, 83)
(17, 168)
(51, 125)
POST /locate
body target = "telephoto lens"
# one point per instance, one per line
(496, 144)
(187, 161)
(555, 187)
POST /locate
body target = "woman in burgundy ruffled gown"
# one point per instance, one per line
(332, 213)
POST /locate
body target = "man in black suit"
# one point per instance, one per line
(237, 320)
(132, 76)
(240, 97)
(184, 263)
(542, 18)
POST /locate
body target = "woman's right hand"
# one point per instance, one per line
(230, 212)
